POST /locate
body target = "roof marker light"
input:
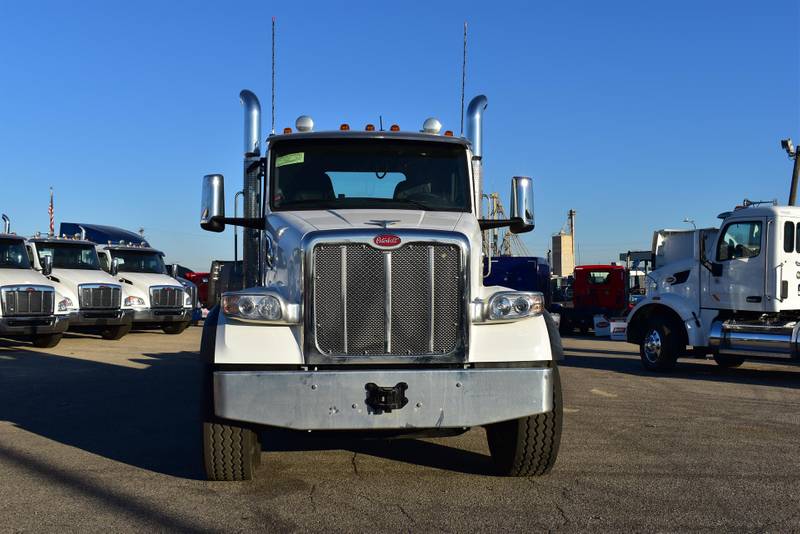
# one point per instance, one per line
(448, 133)
(287, 130)
(432, 126)
(394, 128)
(370, 128)
(344, 127)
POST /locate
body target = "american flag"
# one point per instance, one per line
(51, 212)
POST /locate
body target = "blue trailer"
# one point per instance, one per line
(522, 273)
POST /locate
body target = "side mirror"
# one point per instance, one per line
(114, 267)
(212, 203)
(716, 269)
(47, 265)
(521, 204)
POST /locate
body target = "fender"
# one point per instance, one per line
(676, 304)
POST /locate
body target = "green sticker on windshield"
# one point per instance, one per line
(290, 159)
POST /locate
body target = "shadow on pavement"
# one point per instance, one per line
(621, 361)
(406, 450)
(145, 412)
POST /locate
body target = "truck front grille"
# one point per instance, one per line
(99, 297)
(403, 302)
(28, 300)
(166, 297)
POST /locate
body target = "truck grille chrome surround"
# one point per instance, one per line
(99, 296)
(26, 300)
(404, 303)
(166, 297)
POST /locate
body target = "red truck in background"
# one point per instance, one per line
(596, 290)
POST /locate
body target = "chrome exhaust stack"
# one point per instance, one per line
(475, 111)
(252, 123)
(251, 186)
(6, 224)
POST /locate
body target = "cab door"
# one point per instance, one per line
(737, 281)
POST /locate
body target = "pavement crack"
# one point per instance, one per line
(311, 493)
(403, 511)
(355, 465)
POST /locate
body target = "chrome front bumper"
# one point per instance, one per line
(335, 399)
(24, 326)
(159, 316)
(100, 317)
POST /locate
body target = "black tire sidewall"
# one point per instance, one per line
(669, 345)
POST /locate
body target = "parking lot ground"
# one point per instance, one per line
(104, 436)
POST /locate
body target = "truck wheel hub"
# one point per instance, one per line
(652, 346)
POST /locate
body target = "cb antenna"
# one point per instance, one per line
(463, 77)
(272, 128)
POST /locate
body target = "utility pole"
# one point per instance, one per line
(787, 145)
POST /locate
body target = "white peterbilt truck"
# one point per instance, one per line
(732, 293)
(364, 307)
(157, 299)
(30, 306)
(94, 299)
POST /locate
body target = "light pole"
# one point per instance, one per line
(787, 145)
(690, 221)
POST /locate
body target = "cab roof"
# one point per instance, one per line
(60, 239)
(355, 134)
(11, 236)
(761, 210)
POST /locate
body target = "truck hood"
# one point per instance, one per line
(75, 277)
(306, 221)
(11, 277)
(144, 280)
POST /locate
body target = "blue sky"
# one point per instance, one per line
(636, 114)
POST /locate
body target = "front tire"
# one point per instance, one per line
(728, 362)
(230, 452)
(175, 328)
(528, 446)
(114, 333)
(660, 346)
(46, 341)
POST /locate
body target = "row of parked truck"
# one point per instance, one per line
(87, 279)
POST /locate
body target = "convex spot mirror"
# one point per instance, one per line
(521, 204)
(212, 203)
(47, 265)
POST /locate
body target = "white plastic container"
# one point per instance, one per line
(602, 327)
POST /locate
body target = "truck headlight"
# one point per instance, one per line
(513, 305)
(187, 299)
(260, 308)
(134, 301)
(64, 304)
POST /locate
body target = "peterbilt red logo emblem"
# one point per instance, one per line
(386, 240)
(30, 289)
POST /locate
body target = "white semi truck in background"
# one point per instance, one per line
(363, 306)
(30, 306)
(94, 299)
(732, 293)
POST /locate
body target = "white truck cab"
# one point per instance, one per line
(29, 303)
(732, 293)
(94, 299)
(157, 299)
(364, 307)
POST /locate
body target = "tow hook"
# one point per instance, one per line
(386, 399)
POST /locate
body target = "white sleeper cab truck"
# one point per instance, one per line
(28, 300)
(364, 307)
(732, 293)
(157, 299)
(94, 299)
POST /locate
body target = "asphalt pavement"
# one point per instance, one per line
(104, 436)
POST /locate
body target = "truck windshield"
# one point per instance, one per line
(138, 261)
(368, 174)
(13, 254)
(69, 255)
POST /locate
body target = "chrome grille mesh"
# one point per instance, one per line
(26, 300)
(99, 297)
(402, 302)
